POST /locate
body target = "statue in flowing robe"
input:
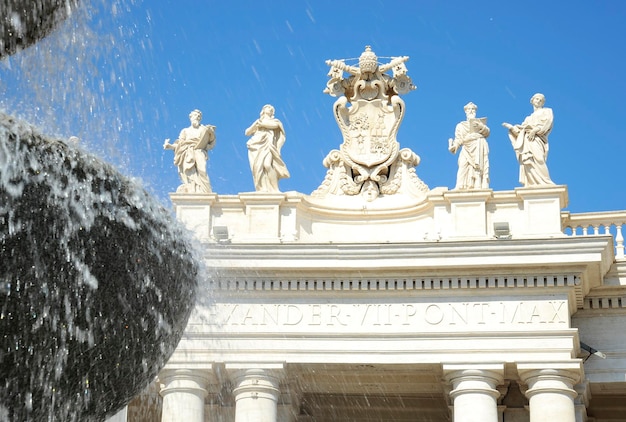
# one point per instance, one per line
(530, 142)
(267, 139)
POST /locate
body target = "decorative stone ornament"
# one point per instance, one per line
(369, 112)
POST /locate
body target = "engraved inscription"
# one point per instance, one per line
(401, 315)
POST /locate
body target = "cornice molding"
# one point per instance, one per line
(458, 254)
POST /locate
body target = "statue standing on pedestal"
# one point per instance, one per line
(190, 154)
(267, 139)
(470, 136)
(530, 142)
(369, 111)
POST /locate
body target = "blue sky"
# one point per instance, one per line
(125, 75)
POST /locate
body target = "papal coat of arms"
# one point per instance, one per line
(369, 111)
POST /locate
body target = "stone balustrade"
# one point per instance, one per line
(597, 223)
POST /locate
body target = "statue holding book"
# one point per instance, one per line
(470, 137)
(190, 154)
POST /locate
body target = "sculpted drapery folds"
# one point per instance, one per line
(530, 142)
(264, 146)
(470, 136)
(190, 154)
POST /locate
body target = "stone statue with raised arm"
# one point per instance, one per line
(530, 142)
(267, 139)
(190, 154)
(470, 136)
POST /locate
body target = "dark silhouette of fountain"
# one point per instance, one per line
(97, 279)
(24, 22)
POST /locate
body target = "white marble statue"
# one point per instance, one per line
(530, 142)
(267, 139)
(369, 111)
(190, 154)
(470, 136)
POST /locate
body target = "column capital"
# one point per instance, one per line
(492, 373)
(474, 390)
(184, 392)
(256, 380)
(557, 377)
(193, 381)
(551, 391)
(256, 390)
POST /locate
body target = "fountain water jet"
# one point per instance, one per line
(97, 280)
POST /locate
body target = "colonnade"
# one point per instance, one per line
(255, 389)
(474, 392)
(550, 391)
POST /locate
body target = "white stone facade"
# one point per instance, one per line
(399, 310)
(376, 298)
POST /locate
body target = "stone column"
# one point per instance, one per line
(183, 392)
(551, 391)
(474, 393)
(256, 391)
